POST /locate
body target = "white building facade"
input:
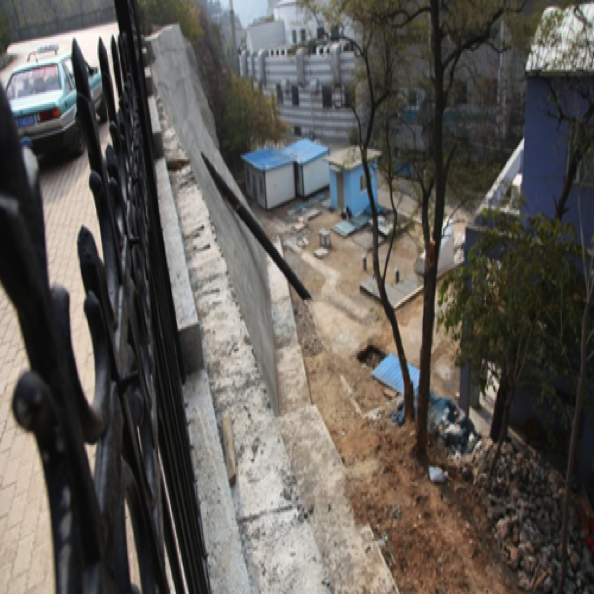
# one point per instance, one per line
(313, 90)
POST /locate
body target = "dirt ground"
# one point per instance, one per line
(436, 537)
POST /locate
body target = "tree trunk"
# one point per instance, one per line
(432, 246)
(581, 390)
(498, 413)
(387, 306)
(502, 432)
(576, 158)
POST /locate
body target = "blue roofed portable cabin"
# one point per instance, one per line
(348, 188)
(560, 68)
(310, 169)
(269, 177)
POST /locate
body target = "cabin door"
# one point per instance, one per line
(298, 184)
(340, 183)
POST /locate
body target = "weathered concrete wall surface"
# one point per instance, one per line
(180, 90)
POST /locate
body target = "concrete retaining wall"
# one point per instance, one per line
(179, 88)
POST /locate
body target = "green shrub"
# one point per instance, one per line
(169, 12)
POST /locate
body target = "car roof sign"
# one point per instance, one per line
(44, 49)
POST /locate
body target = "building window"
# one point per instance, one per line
(297, 130)
(320, 33)
(412, 98)
(585, 171)
(326, 96)
(363, 183)
(303, 36)
(294, 33)
(349, 99)
(280, 96)
(334, 33)
(295, 95)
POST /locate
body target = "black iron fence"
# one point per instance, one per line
(136, 418)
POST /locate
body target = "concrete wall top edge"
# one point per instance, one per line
(180, 90)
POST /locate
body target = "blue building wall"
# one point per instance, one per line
(545, 154)
(354, 198)
(333, 189)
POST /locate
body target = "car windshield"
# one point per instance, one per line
(34, 81)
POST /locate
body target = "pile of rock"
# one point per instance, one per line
(524, 503)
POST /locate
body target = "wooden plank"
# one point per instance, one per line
(229, 449)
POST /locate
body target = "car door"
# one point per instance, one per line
(69, 93)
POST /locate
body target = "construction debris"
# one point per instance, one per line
(524, 505)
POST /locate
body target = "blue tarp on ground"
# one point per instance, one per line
(389, 373)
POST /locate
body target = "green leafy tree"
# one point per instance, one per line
(585, 299)
(250, 120)
(167, 12)
(511, 309)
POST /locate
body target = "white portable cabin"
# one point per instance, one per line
(269, 177)
(311, 170)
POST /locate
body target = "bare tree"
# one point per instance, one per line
(377, 47)
(452, 33)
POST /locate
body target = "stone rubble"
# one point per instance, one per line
(525, 506)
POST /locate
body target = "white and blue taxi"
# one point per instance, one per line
(42, 96)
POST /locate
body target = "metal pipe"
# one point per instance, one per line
(244, 214)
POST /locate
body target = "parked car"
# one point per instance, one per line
(42, 96)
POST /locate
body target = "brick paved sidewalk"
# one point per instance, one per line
(26, 555)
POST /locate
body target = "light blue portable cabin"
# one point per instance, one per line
(348, 187)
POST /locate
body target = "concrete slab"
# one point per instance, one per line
(398, 294)
(293, 388)
(156, 126)
(226, 564)
(148, 78)
(263, 468)
(281, 558)
(321, 481)
(183, 299)
(263, 497)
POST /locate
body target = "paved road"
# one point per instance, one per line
(26, 557)
(88, 40)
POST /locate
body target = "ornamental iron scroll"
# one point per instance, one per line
(136, 418)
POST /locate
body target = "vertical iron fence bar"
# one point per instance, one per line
(174, 441)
